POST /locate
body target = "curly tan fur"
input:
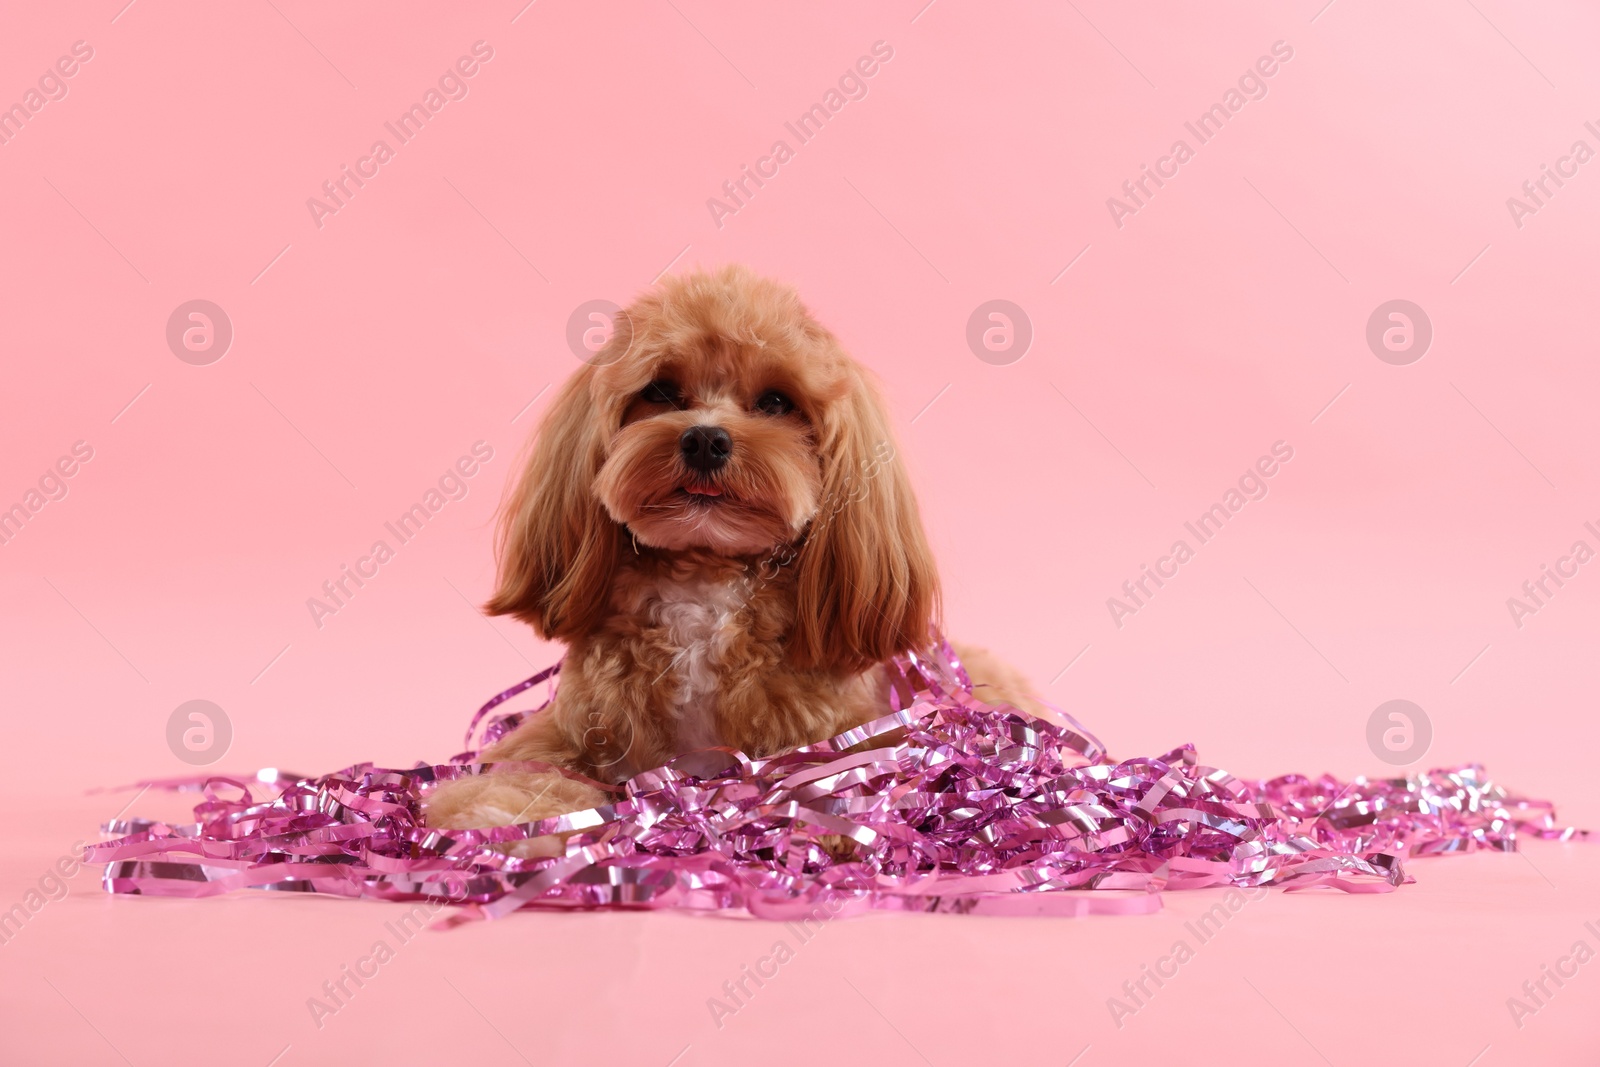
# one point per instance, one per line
(752, 606)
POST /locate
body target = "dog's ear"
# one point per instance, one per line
(866, 583)
(558, 548)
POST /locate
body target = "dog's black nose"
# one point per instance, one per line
(705, 448)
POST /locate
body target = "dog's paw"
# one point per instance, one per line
(509, 799)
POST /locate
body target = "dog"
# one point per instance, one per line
(716, 523)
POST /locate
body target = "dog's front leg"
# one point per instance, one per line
(510, 797)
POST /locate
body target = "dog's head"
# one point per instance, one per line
(722, 417)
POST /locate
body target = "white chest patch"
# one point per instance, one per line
(700, 619)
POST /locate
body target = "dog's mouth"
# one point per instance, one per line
(697, 511)
(700, 494)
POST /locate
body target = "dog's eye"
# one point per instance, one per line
(661, 391)
(773, 402)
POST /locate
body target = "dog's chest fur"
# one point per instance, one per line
(698, 618)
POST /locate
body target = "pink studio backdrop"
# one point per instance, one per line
(1175, 339)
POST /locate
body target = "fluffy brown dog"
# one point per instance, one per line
(715, 522)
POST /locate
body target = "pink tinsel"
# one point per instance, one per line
(949, 804)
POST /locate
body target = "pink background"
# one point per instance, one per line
(431, 309)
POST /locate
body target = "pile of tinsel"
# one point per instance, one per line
(947, 804)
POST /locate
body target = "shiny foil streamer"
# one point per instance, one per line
(949, 804)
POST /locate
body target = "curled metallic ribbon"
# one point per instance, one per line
(948, 803)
